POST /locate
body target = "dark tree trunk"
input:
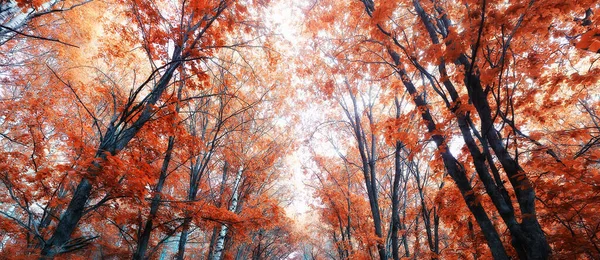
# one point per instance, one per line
(396, 193)
(183, 239)
(396, 201)
(68, 221)
(144, 238)
(213, 239)
(528, 240)
(114, 140)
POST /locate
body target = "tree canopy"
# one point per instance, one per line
(275, 129)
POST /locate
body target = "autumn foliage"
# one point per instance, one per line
(480, 117)
(146, 121)
(183, 129)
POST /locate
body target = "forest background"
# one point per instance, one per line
(257, 129)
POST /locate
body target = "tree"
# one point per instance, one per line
(467, 64)
(120, 141)
(364, 129)
(17, 16)
(127, 123)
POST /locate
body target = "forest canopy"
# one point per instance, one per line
(277, 129)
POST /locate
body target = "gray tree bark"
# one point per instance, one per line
(220, 245)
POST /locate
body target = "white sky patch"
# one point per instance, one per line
(286, 18)
(455, 145)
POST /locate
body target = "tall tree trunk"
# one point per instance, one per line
(213, 236)
(396, 201)
(185, 227)
(68, 221)
(529, 239)
(405, 242)
(396, 192)
(213, 241)
(426, 213)
(196, 171)
(220, 245)
(144, 238)
(398, 175)
(403, 220)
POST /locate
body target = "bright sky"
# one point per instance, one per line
(286, 18)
